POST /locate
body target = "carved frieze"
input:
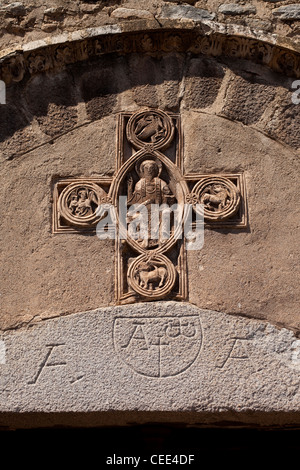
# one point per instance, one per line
(55, 56)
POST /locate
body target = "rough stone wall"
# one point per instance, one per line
(21, 22)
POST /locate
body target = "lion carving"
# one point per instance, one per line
(215, 197)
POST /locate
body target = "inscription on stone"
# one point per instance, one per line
(47, 362)
(158, 356)
(158, 347)
(234, 349)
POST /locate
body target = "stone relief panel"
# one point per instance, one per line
(223, 197)
(151, 265)
(150, 255)
(75, 204)
(152, 276)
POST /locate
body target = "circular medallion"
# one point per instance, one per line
(78, 203)
(154, 128)
(219, 196)
(152, 276)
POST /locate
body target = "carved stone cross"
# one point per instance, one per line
(149, 173)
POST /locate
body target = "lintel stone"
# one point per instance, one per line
(161, 357)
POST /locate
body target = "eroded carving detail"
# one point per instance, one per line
(150, 189)
(223, 197)
(13, 68)
(150, 127)
(78, 203)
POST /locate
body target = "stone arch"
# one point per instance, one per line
(247, 71)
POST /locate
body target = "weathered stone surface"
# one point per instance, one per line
(162, 357)
(234, 9)
(247, 99)
(225, 88)
(2, 352)
(92, 14)
(185, 12)
(99, 87)
(54, 12)
(202, 83)
(53, 103)
(213, 144)
(128, 13)
(284, 122)
(288, 12)
(41, 112)
(14, 9)
(191, 2)
(36, 277)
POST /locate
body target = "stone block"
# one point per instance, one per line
(54, 12)
(185, 12)
(234, 10)
(128, 13)
(14, 9)
(151, 357)
(247, 101)
(288, 12)
(53, 102)
(203, 81)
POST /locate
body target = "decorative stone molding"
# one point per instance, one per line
(201, 37)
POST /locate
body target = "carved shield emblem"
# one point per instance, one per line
(158, 346)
